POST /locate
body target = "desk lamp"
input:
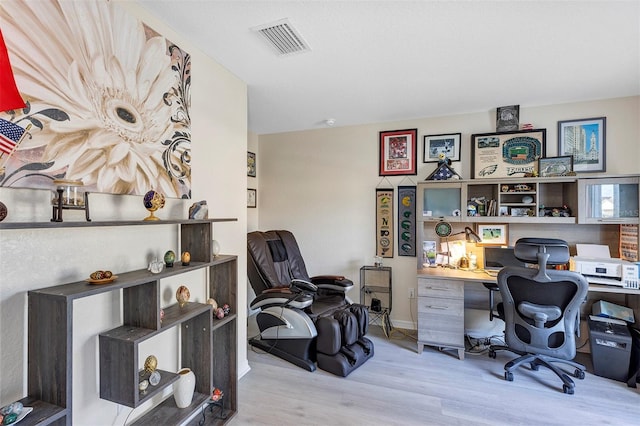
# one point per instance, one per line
(443, 230)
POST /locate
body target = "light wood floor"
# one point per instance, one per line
(399, 387)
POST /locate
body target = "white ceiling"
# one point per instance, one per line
(377, 61)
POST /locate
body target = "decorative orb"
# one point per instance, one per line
(169, 258)
(153, 201)
(213, 304)
(226, 309)
(154, 378)
(143, 385)
(186, 258)
(219, 313)
(215, 248)
(182, 295)
(150, 364)
(161, 315)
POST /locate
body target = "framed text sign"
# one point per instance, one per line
(507, 154)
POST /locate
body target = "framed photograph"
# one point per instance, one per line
(555, 166)
(251, 164)
(398, 152)
(252, 198)
(519, 211)
(504, 211)
(493, 234)
(585, 141)
(434, 145)
(507, 154)
(507, 118)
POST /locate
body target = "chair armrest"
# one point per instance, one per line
(332, 282)
(285, 297)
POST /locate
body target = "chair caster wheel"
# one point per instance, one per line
(579, 374)
(508, 376)
(492, 354)
(534, 366)
(567, 389)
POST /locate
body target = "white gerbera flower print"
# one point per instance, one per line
(108, 99)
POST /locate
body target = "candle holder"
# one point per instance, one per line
(69, 195)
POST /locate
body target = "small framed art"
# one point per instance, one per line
(251, 164)
(398, 152)
(447, 144)
(252, 198)
(493, 234)
(555, 166)
(585, 141)
(507, 118)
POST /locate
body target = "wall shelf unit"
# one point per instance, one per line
(207, 346)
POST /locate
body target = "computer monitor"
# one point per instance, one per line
(496, 258)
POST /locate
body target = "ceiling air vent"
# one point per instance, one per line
(283, 37)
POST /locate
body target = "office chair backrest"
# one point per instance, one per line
(274, 260)
(542, 306)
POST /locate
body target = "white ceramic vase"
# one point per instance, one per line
(183, 388)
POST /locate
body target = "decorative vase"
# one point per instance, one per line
(169, 258)
(182, 295)
(184, 387)
(153, 201)
(215, 248)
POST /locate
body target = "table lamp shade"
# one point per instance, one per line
(9, 96)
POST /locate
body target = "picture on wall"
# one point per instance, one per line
(108, 103)
(251, 164)
(437, 146)
(493, 234)
(398, 152)
(252, 198)
(507, 154)
(585, 141)
(507, 118)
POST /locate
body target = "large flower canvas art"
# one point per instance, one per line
(106, 96)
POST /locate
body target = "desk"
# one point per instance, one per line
(440, 304)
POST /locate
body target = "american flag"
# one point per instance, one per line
(10, 135)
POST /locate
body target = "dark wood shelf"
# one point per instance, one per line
(207, 345)
(43, 413)
(92, 224)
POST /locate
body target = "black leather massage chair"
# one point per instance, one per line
(304, 320)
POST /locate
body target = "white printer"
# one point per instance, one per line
(607, 271)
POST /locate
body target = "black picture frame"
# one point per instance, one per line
(251, 164)
(507, 154)
(507, 118)
(555, 166)
(252, 198)
(447, 143)
(586, 141)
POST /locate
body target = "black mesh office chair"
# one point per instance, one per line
(542, 309)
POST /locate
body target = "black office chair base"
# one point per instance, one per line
(495, 348)
(568, 386)
(284, 348)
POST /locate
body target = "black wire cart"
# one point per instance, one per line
(375, 293)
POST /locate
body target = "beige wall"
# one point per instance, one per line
(320, 184)
(31, 259)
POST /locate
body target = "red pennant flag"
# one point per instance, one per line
(9, 96)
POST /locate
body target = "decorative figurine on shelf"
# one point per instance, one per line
(199, 210)
(219, 313)
(444, 171)
(182, 295)
(153, 201)
(216, 395)
(186, 258)
(213, 303)
(161, 315)
(226, 309)
(155, 266)
(169, 258)
(151, 368)
(215, 248)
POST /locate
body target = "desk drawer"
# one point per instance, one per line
(440, 288)
(441, 321)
